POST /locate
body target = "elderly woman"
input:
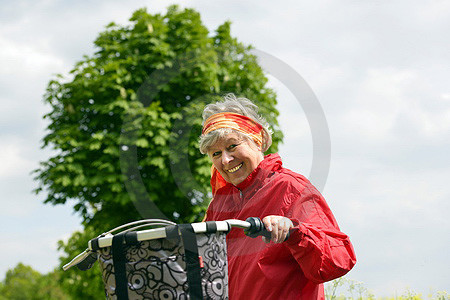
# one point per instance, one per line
(246, 183)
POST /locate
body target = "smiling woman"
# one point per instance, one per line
(306, 246)
(234, 126)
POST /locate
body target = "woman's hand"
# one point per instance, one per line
(279, 227)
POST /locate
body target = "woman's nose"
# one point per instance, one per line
(226, 157)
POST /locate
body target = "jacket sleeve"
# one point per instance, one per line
(320, 248)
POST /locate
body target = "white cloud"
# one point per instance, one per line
(33, 240)
(393, 106)
(394, 217)
(13, 162)
(16, 182)
(432, 12)
(376, 104)
(25, 59)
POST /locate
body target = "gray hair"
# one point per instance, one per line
(242, 106)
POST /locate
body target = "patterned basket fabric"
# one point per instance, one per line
(156, 269)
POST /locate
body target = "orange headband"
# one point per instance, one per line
(234, 121)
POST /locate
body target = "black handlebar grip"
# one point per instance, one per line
(257, 228)
(88, 262)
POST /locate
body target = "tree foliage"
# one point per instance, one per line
(118, 121)
(24, 283)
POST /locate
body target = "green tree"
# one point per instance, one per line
(21, 282)
(125, 122)
(24, 283)
(122, 103)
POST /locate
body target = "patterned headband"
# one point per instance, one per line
(234, 121)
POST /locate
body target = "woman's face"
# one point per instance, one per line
(235, 157)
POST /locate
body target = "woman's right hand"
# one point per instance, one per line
(279, 227)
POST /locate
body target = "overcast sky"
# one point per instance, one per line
(380, 70)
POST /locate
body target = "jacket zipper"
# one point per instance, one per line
(241, 195)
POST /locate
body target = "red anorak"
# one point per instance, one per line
(316, 252)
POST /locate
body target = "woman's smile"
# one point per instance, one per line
(232, 170)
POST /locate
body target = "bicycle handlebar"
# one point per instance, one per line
(253, 227)
(257, 228)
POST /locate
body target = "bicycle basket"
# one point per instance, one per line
(187, 261)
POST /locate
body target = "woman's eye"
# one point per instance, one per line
(217, 153)
(232, 146)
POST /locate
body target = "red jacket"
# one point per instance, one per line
(317, 251)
